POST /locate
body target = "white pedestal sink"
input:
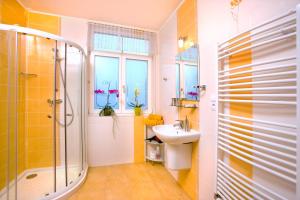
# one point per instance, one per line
(179, 145)
(171, 135)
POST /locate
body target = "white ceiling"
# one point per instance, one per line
(148, 14)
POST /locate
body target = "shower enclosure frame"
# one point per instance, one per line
(63, 193)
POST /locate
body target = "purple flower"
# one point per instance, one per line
(99, 91)
(113, 91)
(193, 93)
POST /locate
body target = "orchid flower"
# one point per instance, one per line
(193, 93)
(98, 91)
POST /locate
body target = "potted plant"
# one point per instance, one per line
(137, 107)
(107, 109)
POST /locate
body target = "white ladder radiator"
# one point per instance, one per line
(259, 112)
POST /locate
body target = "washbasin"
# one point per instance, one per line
(173, 135)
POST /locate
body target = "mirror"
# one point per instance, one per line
(187, 76)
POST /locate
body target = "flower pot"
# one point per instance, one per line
(137, 111)
(107, 111)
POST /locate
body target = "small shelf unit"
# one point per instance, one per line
(154, 151)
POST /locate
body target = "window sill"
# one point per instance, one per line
(118, 114)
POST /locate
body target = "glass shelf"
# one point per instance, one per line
(186, 106)
(153, 142)
(154, 159)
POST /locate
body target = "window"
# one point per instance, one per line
(106, 82)
(121, 61)
(117, 78)
(107, 42)
(135, 45)
(136, 79)
(121, 44)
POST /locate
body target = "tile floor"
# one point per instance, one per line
(142, 181)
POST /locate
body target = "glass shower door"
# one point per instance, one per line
(68, 115)
(35, 148)
(74, 113)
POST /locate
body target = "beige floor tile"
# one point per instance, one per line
(141, 181)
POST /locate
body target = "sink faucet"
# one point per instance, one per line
(179, 124)
(186, 124)
(183, 124)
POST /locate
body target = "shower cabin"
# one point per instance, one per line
(42, 115)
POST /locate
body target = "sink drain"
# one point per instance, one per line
(31, 176)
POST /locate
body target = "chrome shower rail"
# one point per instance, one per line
(34, 32)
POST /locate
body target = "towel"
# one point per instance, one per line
(153, 120)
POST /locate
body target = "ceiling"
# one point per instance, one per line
(147, 14)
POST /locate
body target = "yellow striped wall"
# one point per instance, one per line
(12, 13)
(139, 144)
(188, 179)
(187, 23)
(38, 126)
(187, 28)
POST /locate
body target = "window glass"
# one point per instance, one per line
(107, 42)
(136, 83)
(191, 81)
(135, 45)
(106, 82)
(115, 43)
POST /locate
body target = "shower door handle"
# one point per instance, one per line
(50, 101)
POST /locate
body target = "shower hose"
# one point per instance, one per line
(58, 60)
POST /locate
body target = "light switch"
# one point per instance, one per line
(213, 103)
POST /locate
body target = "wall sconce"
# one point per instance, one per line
(181, 41)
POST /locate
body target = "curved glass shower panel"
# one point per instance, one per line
(42, 118)
(37, 74)
(68, 114)
(58, 98)
(3, 115)
(74, 106)
(8, 129)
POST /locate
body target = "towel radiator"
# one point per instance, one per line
(259, 112)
